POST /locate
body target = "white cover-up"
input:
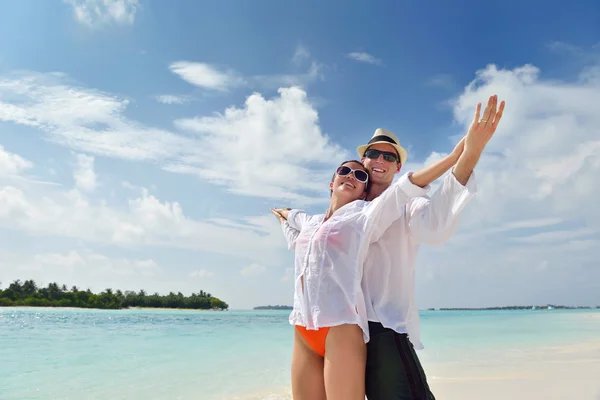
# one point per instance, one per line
(329, 256)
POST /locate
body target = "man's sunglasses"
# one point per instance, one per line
(387, 155)
(359, 174)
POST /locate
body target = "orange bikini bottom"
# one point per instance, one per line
(314, 338)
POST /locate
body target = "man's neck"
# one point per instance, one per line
(375, 189)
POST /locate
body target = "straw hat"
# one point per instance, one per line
(383, 136)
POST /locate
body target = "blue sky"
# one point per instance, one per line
(143, 142)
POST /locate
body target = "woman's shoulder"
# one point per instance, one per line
(315, 218)
(354, 207)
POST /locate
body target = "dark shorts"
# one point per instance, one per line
(394, 371)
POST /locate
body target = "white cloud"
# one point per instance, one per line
(556, 236)
(82, 119)
(542, 161)
(283, 80)
(587, 55)
(282, 132)
(172, 99)
(145, 221)
(445, 81)
(532, 229)
(365, 58)
(85, 177)
(269, 147)
(12, 164)
(202, 273)
(301, 59)
(301, 55)
(70, 259)
(206, 76)
(253, 270)
(211, 77)
(101, 12)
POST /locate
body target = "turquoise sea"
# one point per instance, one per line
(174, 354)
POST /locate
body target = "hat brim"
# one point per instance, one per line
(401, 152)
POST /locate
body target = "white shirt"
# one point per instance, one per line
(329, 256)
(389, 268)
(388, 281)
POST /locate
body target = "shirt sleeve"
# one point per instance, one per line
(434, 220)
(290, 234)
(390, 205)
(297, 219)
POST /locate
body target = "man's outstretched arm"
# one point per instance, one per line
(434, 220)
(431, 173)
(467, 152)
(477, 138)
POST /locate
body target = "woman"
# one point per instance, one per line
(329, 315)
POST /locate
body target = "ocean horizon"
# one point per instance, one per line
(60, 353)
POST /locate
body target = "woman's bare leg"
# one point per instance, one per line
(345, 363)
(307, 371)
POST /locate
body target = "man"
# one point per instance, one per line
(393, 370)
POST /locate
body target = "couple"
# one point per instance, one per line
(354, 267)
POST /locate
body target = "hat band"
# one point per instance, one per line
(383, 138)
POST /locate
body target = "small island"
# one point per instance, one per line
(530, 307)
(278, 307)
(54, 295)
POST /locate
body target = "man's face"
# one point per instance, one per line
(380, 170)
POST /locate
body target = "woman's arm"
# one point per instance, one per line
(289, 233)
(296, 218)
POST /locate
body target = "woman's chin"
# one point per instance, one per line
(348, 193)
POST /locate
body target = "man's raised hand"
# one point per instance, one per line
(480, 133)
(482, 130)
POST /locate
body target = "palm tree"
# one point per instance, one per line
(29, 287)
(53, 290)
(16, 286)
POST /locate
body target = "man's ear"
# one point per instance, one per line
(331, 186)
(398, 166)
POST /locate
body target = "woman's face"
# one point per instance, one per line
(349, 182)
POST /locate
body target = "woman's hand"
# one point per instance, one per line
(278, 215)
(284, 212)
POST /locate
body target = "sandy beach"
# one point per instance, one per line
(565, 372)
(552, 373)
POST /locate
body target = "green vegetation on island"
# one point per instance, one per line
(54, 295)
(273, 307)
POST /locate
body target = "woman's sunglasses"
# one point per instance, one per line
(359, 174)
